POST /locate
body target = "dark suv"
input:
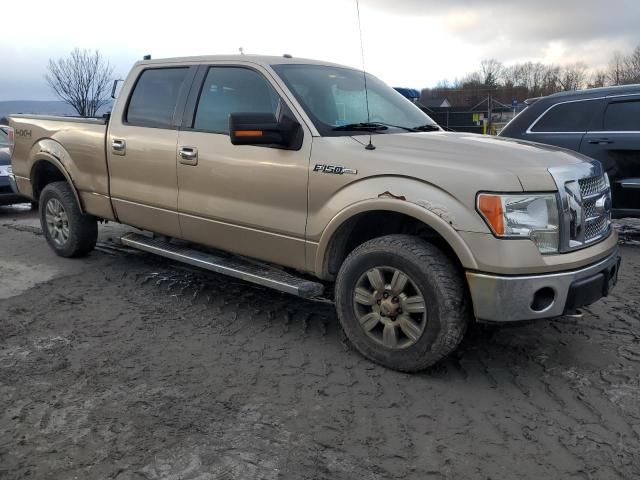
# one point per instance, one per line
(602, 123)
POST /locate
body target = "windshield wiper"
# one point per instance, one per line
(366, 126)
(429, 127)
(408, 129)
(376, 126)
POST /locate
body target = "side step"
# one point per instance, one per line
(254, 272)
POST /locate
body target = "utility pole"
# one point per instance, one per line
(489, 112)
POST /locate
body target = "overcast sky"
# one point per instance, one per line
(412, 43)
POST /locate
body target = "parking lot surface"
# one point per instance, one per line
(126, 366)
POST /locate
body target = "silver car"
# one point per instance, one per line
(8, 191)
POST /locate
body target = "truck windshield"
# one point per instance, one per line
(4, 139)
(335, 100)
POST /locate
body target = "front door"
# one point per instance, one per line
(141, 147)
(251, 200)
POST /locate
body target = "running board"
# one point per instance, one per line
(250, 271)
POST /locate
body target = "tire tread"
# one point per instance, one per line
(83, 229)
(432, 262)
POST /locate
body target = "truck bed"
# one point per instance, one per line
(77, 144)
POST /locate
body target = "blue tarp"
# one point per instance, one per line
(410, 93)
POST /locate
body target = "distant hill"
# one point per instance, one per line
(37, 107)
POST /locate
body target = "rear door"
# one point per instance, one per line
(250, 200)
(615, 141)
(564, 124)
(141, 147)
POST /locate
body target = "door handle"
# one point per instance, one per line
(188, 155)
(600, 141)
(119, 147)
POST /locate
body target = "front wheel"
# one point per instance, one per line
(401, 302)
(68, 232)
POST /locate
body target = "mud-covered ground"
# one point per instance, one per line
(125, 366)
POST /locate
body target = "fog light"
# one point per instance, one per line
(543, 299)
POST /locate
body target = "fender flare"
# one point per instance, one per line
(46, 157)
(418, 212)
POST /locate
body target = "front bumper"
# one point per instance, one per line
(502, 298)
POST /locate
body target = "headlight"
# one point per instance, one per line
(533, 216)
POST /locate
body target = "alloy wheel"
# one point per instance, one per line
(57, 221)
(390, 307)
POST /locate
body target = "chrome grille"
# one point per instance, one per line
(596, 223)
(585, 204)
(592, 185)
(596, 228)
(589, 209)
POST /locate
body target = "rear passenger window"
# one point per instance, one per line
(232, 90)
(155, 96)
(623, 116)
(567, 117)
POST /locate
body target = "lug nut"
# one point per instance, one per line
(385, 295)
(378, 302)
(395, 299)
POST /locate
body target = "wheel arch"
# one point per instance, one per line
(47, 169)
(344, 232)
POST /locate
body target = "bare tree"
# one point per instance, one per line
(573, 77)
(616, 72)
(82, 80)
(473, 79)
(598, 79)
(511, 76)
(632, 67)
(549, 79)
(491, 72)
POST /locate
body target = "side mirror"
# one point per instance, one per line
(263, 129)
(115, 87)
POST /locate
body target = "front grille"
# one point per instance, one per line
(596, 222)
(585, 199)
(592, 185)
(589, 209)
(596, 228)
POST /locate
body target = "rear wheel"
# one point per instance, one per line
(401, 302)
(68, 232)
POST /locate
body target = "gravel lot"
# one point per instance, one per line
(126, 366)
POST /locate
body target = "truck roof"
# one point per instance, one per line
(257, 59)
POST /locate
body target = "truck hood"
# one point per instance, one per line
(527, 161)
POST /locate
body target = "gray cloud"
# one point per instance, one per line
(511, 31)
(535, 22)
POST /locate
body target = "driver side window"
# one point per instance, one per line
(229, 90)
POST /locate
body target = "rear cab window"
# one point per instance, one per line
(155, 97)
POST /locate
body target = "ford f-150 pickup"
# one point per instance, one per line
(290, 173)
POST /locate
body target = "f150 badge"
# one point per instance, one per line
(335, 169)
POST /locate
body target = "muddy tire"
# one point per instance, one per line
(402, 302)
(68, 232)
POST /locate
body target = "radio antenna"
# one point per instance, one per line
(370, 145)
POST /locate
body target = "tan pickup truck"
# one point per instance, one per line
(288, 173)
